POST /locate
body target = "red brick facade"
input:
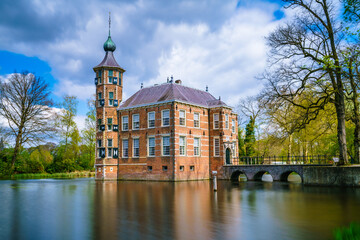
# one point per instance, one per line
(168, 140)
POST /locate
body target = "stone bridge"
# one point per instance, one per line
(255, 172)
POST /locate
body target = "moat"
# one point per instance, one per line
(88, 209)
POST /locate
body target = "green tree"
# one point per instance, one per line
(88, 137)
(250, 137)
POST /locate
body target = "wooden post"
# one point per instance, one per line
(215, 183)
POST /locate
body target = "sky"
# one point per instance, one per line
(216, 43)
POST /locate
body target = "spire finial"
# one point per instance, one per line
(109, 22)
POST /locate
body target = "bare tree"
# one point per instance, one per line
(25, 104)
(305, 57)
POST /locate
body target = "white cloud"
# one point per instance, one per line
(72, 88)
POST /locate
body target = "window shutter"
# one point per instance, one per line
(115, 153)
(116, 128)
(102, 127)
(102, 102)
(96, 81)
(116, 103)
(115, 80)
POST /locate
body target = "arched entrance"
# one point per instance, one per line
(228, 156)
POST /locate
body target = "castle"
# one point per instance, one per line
(166, 132)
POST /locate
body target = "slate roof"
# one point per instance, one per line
(171, 92)
(108, 61)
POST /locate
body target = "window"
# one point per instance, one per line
(216, 146)
(125, 148)
(151, 119)
(99, 95)
(99, 75)
(166, 117)
(135, 147)
(233, 125)
(110, 76)
(182, 142)
(226, 120)
(110, 142)
(196, 120)
(196, 146)
(99, 143)
(111, 98)
(125, 123)
(149, 168)
(151, 146)
(135, 121)
(109, 124)
(216, 121)
(164, 168)
(182, 117)
(166, 146)
(192, 168)
(109, 152)
(99, 169)
(181, 168)
(111, 169)
(119, 78)
(99, 121)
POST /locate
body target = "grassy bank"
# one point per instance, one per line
(83, 174)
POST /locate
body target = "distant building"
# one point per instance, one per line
(164, 132)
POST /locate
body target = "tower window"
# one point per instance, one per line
(182, 114)
(125, 123)
(149, 168)
(110, 142)
(111, 98)
(216, 121)
(181, 168)
(99, 95)
(216, 146)
(125, 148)
(99, 121)
(111, 72)
(226, 120)
(166, 117)
(233, 125)
(164, 168)
(109, 152)
(151, 119)
(109, 124)
(136, 147)
(99, 143)
(192, 168)
(135, 121)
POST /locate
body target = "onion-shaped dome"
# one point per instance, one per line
(109, 45)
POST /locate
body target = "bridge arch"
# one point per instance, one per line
(284, 175)
(236, 174)
(258, 176)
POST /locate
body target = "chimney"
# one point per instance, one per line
(178, 81)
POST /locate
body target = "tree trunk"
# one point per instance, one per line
(289, 149)
(16, 152)
(341, 132)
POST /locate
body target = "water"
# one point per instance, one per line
(85, 209)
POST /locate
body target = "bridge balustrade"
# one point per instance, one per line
(283, 160)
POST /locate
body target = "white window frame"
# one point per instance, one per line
(216, 126)
(184, 118)
(123, 155)
(122, 123)
(148, 148)
(162, 145)
(199, 147)
(133, 122)
(111, 140)
(133, 147)
(198, 121)
(184, 153)
(109, 152)
(111, 100)
(233, 122)
(226, 121)
(216, 155)
(162, 117)
(109, 126)
(151, 119)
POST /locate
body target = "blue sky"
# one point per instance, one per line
(216, 43)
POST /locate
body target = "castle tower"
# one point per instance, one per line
(109, 84)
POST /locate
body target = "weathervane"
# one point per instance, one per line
(109, 22)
